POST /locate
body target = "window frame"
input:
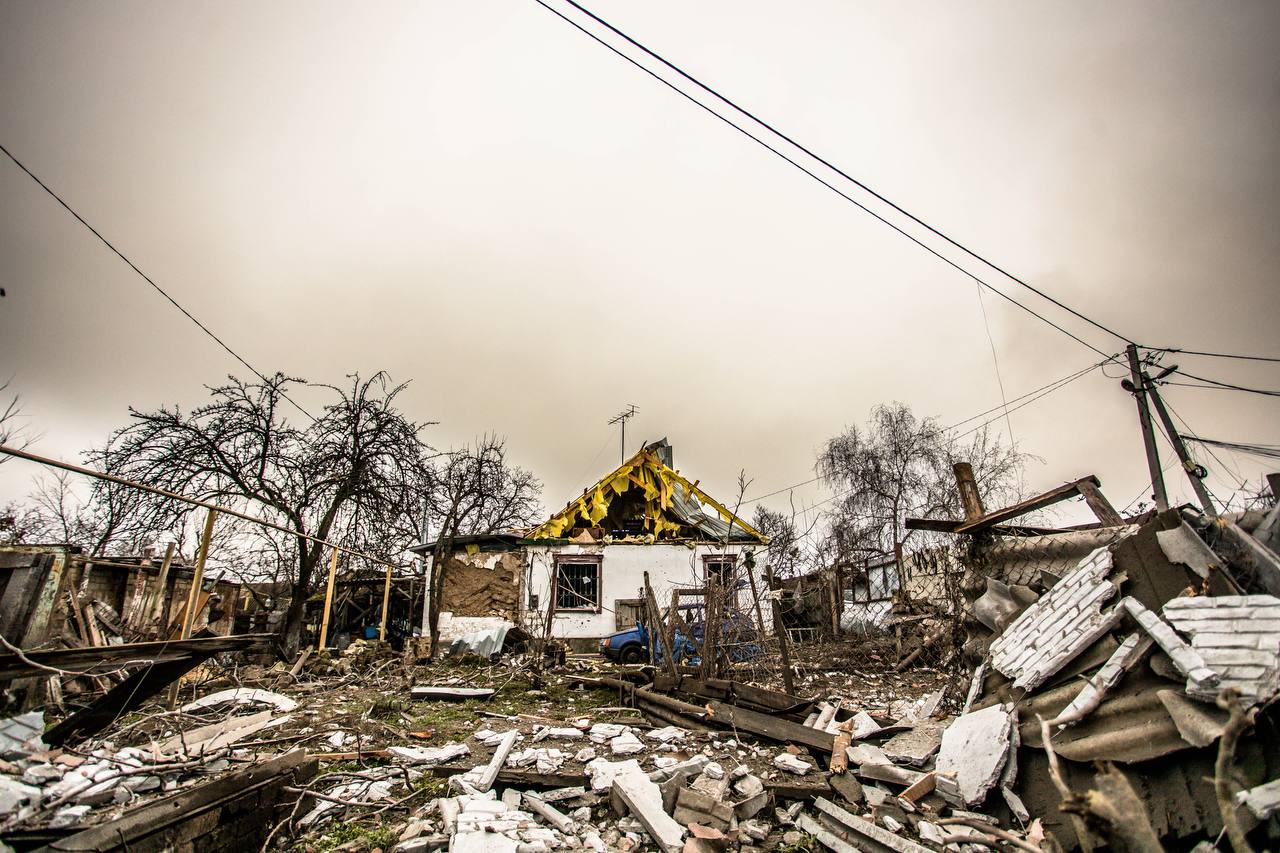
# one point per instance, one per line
(710, 559)
(596, 560)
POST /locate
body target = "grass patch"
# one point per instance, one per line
(367, 837)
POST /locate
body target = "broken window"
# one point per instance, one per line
(578, 584)
(721, 568)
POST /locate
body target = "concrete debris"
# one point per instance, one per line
(792, 764)
(1238, 637)
(1201, 680)
(973, 753)
(915, 747)
(1134, 648)
(242, 696)
(1065, 621)
(669, 734)
(626, 744)
(862, 725)
(1181, 545)
(642, 797)
(429, 755)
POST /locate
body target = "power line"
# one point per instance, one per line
(1270, 451)
(1218, 354)
(813, 175)
(1062, 384)
(1069, 377)
(1052, 386)
(1223, 385)
(996, 361)
(725, 100)
(148, 278)
(780, 491)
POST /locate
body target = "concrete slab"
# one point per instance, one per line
(643, 799)
(973, 753)
(917, 746)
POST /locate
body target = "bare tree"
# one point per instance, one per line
(101, 517)
(340, 477)
(784, 551)
(13, 433)
(900, 466)
(474, 491)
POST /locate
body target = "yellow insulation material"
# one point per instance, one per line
(657, 481)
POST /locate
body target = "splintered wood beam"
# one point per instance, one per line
(1098, 502)
(1049, 498)
(98, 658)
(946, 525)
(784, 731)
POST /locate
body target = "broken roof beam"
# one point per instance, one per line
(1049, 498)
(948, 525)
(96, 658)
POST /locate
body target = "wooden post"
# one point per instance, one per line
(1098, 502)
(1273, 480)
(197, 578)
(193, 594)
(386, 602)
(1180, 448)
(711, 625)
(967, 485)
(1148, 435)
(328, 600)
(784, 644)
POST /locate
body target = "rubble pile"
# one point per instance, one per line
(1125, 700)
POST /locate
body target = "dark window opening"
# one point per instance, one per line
(578, 585)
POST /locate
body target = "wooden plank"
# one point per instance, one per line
(300, 662)
(328, 600)
(1098, 502)
(121, 699)
(784, 731)
(947, 525)
(98, 658)
(1049, 498)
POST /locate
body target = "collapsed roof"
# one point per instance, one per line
(646, 497)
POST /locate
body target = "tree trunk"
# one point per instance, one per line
(291, 631)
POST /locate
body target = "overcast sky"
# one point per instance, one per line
(478, 198)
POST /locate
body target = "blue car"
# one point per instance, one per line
(631, 645)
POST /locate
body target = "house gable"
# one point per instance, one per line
(646, 500)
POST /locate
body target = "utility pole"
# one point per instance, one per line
(621, 418)
(1188, 464)
(1139, 391)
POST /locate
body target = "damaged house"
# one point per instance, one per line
(584, 568)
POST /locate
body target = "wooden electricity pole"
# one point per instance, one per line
(1148, 435)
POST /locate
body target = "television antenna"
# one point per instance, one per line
(621, 419)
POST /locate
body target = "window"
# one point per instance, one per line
(721, 568)
(577, 584)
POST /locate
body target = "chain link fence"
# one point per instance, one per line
(929, 619)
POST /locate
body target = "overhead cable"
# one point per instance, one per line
(1225, 385)
(1218, 354)
(148, 279)
(818, 178)
(778, 133)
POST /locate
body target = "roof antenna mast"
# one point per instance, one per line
(621, 419)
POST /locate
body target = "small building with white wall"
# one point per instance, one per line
(584, 568)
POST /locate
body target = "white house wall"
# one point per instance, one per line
(622, 569)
